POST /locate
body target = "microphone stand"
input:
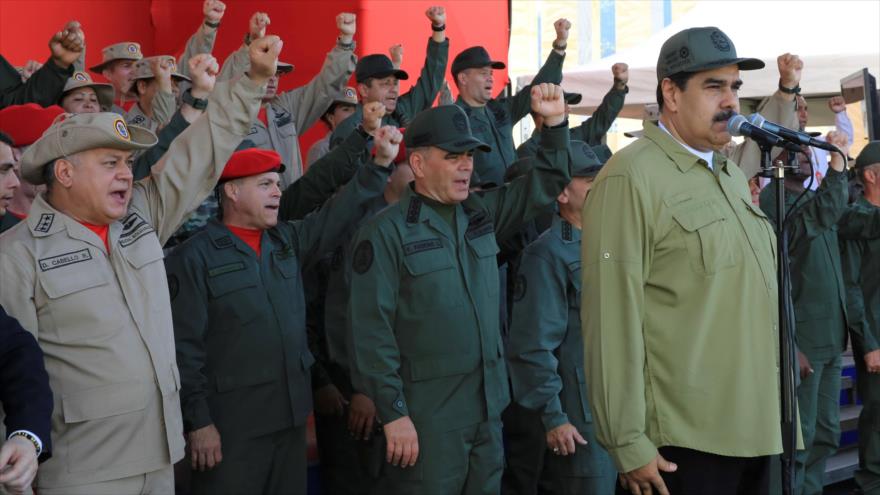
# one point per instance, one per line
(788, 393)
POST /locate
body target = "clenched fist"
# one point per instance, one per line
(841, 142)
(837, 104)
(162, 68)
(373, 113)
(547, 101)
(264, 58)
(562, 26)
(396, 52)
(213, 11)
(386, 142)
(203, 70)
(347, 25)
(437, 15)
(258, 23)
(67, 44)
(620, 71)
(790, 67)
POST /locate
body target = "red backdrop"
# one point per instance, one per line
(308, 28)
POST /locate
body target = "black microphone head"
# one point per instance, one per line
(757, 120)
(734, 125)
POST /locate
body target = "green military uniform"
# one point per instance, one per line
(591, 130)
(420, 97)
(493, 123)
(426, 344)
(239, 323)
(819, 297)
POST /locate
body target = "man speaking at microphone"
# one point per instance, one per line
(679, 292)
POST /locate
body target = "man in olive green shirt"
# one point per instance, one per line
(861, 264)
(424, 321)
(679, 292)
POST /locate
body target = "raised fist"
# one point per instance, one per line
(346, 23)
(837, 104)
(445, 97)
(258, 23)
(162, 68)
(213, 10)
(29, 68)
(437, 15)
(841, 141)
(547, 101)
(67, 44)
(386, 142)
(203, 70)
(620, 71)
(562, 26)
(396, 52)
(263, 54)
(790, 67)
(373, 113)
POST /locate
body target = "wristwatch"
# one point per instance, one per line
(561, 48)
(197, 103)
(790, 91)
(210, 24)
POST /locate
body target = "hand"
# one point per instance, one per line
(396, 52)
(620, 72)
(562, 26)
(18, 465)
(67, 45)
(403, 442)
(204, 448)
(264, 58)
(790, 67)
(872, 362)
(547, 102)
(644, 480)
(445, 94)
(347, 25)
(213, 11)
(203, 70)
(561, 440)
(437, 15)
(805, 366)
(841, 141)
(372, 116)
(361, 415)
(161, 68)
(328, 400)
(386, 143)
(257, 26)
(29, 68)
(837, 104)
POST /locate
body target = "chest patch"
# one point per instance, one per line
(45, 223)
(423, 245)
(224, 269)
(133, 228)
(519, 288)
(363, 257)
(478, 226)
(65, 259)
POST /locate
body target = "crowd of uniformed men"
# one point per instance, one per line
(460, 315)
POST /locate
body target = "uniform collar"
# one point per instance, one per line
(566, 231)
(415, 211)
(683, 159)
(44, 220)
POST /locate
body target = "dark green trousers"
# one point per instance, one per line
(345, 461)
(524, 450)
(818, 402)
(464, 461)
(868, 474)
(268, 464)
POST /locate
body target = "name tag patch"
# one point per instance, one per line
(133, 228)
(223, 269)
(424, 245)
(65, 259)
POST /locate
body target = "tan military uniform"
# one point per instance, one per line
(104, 320)
(164, 103)
(295, 111)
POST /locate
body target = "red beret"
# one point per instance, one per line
(252, 161)
(26, 123)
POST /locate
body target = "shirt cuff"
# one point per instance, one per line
(30, 436)
(634, 455)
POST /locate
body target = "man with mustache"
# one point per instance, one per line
(426, 338)
(678, 301)
(91, 284)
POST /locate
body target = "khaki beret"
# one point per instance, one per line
(72, 133)
(81, 79)
(143, 69)
(127, 50)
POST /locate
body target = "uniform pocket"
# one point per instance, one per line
(72, 299)
(707, 238)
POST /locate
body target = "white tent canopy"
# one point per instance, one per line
(834, 39)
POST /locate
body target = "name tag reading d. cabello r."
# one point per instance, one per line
(65, 259)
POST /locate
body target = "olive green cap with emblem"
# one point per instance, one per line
(447, 127)
(127, 50)
(869, 155)
(79, 79)
(73, 133)
(698, 49)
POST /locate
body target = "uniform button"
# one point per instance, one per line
(399, 403)
(606, 255)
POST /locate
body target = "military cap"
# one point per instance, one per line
(446, 127)
(143, 69)
(474, 58)
(584, 162)
(377, 66)
(348, 95)
(698, 49)
(127, 50)
(284, 68)
(572, 98)
(81, 79)
(603, 152)
(651, 113)
(869, 155)
(72, 133)
(252, 161)
(26, 123)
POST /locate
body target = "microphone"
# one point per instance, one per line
(791, 135)
(739, 126)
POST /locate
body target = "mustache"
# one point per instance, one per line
(722, 116)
